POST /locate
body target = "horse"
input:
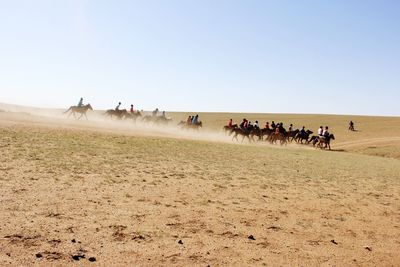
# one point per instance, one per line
(325, 140)
(256, 132)
(119, 113)
(133, 115)
(303, 136)
(81, 110)
(156, 119)
(267, 132)
(282, 137)
(185, 125)
(292, 135)
(162, 120)
(227, 129)
(243, 132)
(313, 139)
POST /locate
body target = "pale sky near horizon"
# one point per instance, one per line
(338, 57)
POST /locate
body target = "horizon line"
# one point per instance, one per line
(225, 112)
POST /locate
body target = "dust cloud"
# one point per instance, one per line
(97, 121)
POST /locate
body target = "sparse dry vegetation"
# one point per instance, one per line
(134, 197)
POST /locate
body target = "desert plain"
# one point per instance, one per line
(115, 193)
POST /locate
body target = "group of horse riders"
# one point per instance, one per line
(193, 120)
(277, 131)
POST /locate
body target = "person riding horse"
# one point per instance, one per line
(351, 126)
(80, 109)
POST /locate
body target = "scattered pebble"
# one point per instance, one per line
(73, 240)
(78, 257)
(334, 242)
(38, 255)
(368, 248)
(92, 259)
(251, 237)
(180, 242)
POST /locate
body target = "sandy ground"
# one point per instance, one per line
(128, 195)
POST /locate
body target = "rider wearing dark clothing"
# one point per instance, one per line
(155, 112)
(243, 124)
(303, 131)
(281, 129)
(117, 107)
(80, 104)
(273, 126)
(326, 133)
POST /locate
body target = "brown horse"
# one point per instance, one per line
(133, 115)
(282, 137)
(119, 113)
(227, 129)
(80, 110)
(156, 120)
(185, 125)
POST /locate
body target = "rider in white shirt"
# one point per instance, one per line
(320, 131)
(325, 132)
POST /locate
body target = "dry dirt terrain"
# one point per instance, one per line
(106, 193)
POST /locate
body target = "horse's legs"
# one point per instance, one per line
(235, 137)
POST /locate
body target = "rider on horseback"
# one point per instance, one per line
(303, 131)
(117, 107)
(320, 131)
(243, 124)
(195, 120)
(80, 104)
(155, 112)
(326, 133)
(351, 126)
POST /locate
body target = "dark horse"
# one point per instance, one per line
(303, 136)
(227, 128)
(292, 135)
(81, 110)
(325, 140)
(244, 133)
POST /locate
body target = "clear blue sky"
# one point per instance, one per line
(209, 55)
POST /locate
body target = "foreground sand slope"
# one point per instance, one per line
(152, 201)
